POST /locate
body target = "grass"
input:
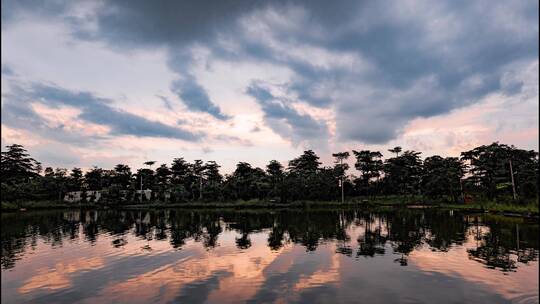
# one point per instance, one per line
(496, 207)
(502, 206)
(505, 207)
(45, 204)
(240, 204)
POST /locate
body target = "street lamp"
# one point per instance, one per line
(149, 164)
(513, 182)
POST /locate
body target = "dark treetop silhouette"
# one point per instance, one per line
(483, 171)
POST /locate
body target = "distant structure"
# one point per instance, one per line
(96, 196)
(73, 197)
(147, 194)
(77, 196)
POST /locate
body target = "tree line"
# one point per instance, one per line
(492, 172)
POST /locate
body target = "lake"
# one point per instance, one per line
(261, 256)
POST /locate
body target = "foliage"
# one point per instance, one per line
(16, 166)
(483, 172)
(442, 177)
(370, 165)
(489, 166)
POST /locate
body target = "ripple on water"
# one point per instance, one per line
(526, 299)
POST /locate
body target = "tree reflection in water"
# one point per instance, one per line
(501, 243)
(505, 245)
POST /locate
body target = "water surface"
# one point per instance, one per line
(291, 256)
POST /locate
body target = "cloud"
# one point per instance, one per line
(165, 23)
(403, 66)
(206, 150)
(235, 140)
(7, 71)
(377, 65)
(285, 120)
(166, 102)
(195, 97)
(57, 155)
(173, 25)
(14, 10)
(17, 112)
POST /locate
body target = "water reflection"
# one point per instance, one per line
(291, 255)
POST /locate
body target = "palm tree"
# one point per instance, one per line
(149, 164)
(396, 150)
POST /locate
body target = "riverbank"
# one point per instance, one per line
(528, 210)
(251, 204)
(46, 204)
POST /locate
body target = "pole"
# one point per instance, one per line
(200, 186)
(462, 193)
(342, 191)
(517, 236)
(342, 188)
(513, 183)
(141, 188)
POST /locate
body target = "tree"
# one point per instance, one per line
(60, 176)
(442, 176)
(402, 173)
(48, 184)
(150, 163)
(303, 175)
(182, 179)
(163, 176)
(146, 178)
(340, 169)
(370, 165)
(492, 170)
(107, 178)
(75, 180)
(275, 173)
(489, 169)
(525, 170)
(307, 163)
(197, 168)
(49, 172)
(93, 178)
(245, 181)
(396, 150)
(180, 170)
(122, 176)
(212, 180)
(17, 166)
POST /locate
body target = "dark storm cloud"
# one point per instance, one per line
(416, 67)
(195, 97)
(407, 59)
(285, 120)
(17, 112)
(142, 23)
(186, 87)
(174, 24)
(14, 10)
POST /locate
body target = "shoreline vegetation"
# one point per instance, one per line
(495, 178)
(505, 208)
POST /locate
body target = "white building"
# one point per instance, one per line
(77, 196)
(147, 194)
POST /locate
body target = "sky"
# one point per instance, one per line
(99, 83)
